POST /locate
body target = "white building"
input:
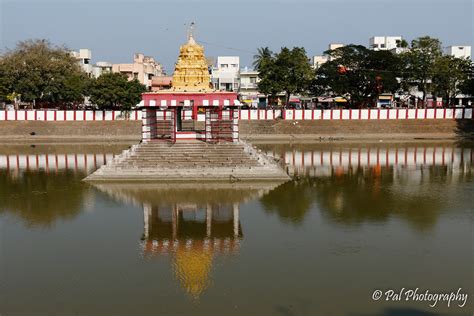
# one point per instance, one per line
(83, 57)
(318, 60)
(459, 51)
(385, 42)
(100, 68)
(334, 46)
(248, 91)
(225, 74)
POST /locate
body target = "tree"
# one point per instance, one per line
(402, 43)
(289, 72)
(419, 62)
(449, 74)
(263, 54)
(5, 82)
(38, 71)
(467, 87)
(114, 91)
(357, 73)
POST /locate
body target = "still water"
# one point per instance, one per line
(357, 218)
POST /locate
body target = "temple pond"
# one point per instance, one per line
(357, 218)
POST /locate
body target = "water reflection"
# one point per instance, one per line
(193, 226)
(42, 184)
(353, 185)
(77, 162)
(40, 199)
(315, 161)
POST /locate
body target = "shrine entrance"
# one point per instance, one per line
(158, 125)
(177, 123)
(221, 125)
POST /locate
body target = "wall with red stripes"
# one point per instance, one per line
(415, 157)
(53, 115)
(321, 162)
(331, 114)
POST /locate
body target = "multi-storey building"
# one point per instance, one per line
(459, 51)
(143, 68)
(100, 68)
(225, 74)
(318, 60)
(385, 42)
(83, 57)
(248, 92)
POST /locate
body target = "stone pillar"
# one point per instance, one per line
(174, 218)
(208, 220)
(146, 135)
(236, 219)
(208, 128)
(146, 218)
(235, 125)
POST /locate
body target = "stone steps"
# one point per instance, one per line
(190, 161)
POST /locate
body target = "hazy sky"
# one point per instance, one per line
(114, 30)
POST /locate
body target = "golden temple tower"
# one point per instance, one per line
(192, 268)
(191, 73)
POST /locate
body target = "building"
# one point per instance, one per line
(459, 51)
(161, 83)
(165, 111)
(100, 68)
(225, 74)
(248, 91)
(334, 46)
(143, 68)
(318, 60)
(83, 57)
(385, 42)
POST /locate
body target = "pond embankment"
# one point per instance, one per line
(255, 131)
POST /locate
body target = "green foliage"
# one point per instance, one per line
(289, 72)
(448, 72)
(39, 71)
(467, 86)
(114, 91)
(5, 84)
(263, 55)
(357, 73)
(419, 62)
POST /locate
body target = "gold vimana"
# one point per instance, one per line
(191, 73)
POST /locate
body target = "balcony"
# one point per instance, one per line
(248, 85)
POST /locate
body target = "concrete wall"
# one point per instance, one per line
(297, 115)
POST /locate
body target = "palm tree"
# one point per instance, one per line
(263, 53)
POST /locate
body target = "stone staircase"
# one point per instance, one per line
(190, 161)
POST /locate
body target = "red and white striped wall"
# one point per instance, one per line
(86, 162)
(407, 157)
(73, 115)
(356, 114)
(330, 114)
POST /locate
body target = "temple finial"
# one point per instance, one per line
(191, 33)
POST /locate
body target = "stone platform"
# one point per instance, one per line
(190, 161)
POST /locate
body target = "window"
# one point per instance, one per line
(234, 65)
(224, 65)
(135, 75)
(86, 61)
(382, 45)
(253, 79)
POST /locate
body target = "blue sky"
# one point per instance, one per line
(114, 30)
